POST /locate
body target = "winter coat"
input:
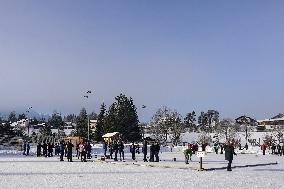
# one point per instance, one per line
(144, 148)
(229, 152)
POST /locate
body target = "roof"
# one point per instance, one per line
(110, 134)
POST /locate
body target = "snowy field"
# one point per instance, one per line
(17, 171)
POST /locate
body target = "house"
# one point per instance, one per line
(272, 123)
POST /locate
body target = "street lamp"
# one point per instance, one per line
(28, 111)
(88, 122)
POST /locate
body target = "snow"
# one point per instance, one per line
(17, 171)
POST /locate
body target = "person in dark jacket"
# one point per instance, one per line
(89, 150)
(156, 152)
(28, 149)
(115, 149)
(105, 148)
(222, 148)
(110, 150)
(50, 150)
(279, 150)
(144, 149)
(44, 149)
(24, 148)
(152, 152)
(121, 150)
(69, 151)
(61, 150)
(229, 153)
(38, 150)
(132, 150)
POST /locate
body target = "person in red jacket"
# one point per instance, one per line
(263, 148)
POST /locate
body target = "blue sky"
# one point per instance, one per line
(188, 55)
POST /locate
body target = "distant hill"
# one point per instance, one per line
(278, 116)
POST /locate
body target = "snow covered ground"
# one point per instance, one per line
(17, 171)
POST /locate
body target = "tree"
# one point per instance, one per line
(164, 122)
(226, 130)
(22, 116)
(93, 116)
(70, 118)
(56, 121)
(212, 119)
(6, 129)
(12, 117)
(100, 123)
(278, 134)
(245, 121)
(189, 121)
(176, 128)
(81, 122)
(46, 130)
(122, 117)
(202, 121)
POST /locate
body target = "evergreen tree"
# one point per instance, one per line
(93, 116)
(12, 117)
(56, 121)
(122, 117)
(100, 123)
(81, 122)
(189, 121)
(46, 130)
(22, 116)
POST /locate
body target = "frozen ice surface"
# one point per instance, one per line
(17, 171)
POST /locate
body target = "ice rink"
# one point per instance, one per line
(17, 171)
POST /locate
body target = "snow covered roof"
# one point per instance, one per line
(110, 134)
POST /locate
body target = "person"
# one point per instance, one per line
(144, 149)
(89, 150)
(246, 146)
(279, 150)
(50, 150)
(78, 151)
(229, 152)
(44, 149)
(132, 150)
(115, 149)
(83, 152)
(61, 150)
(38, 150)
(28, 149)
(187, 154)
(69, 151)
(24, 148)
(105, 148)
(110, 150)
(273, 148)
(56, 149)
(156, 152)
(282, 149)
(137, 148)
(263, 148)
(222, 148)
(216, 148)
(152, 149)
(121, 150)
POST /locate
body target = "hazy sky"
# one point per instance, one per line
(188, 55)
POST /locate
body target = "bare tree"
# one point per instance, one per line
(278, 134)
(164, 122)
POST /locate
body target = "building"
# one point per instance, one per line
(93, 124)
(272, 123)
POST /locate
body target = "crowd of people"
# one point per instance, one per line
(276, 149)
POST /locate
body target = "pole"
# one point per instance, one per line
(88, 128)
(200, 168)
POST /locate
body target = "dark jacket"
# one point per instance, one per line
(229, 152)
